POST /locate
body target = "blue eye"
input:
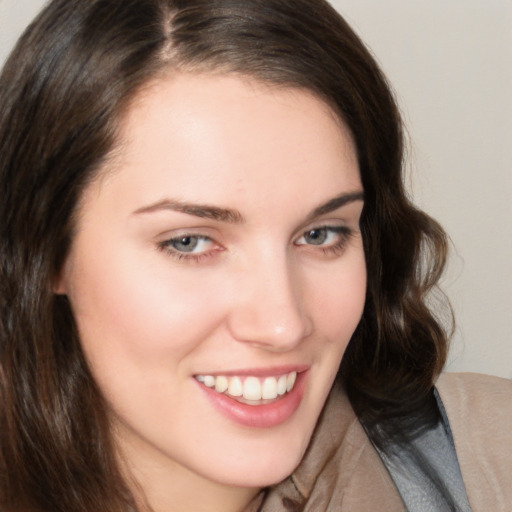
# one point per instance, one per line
(324, 236)
(188, 246)
(316, 236)
(186, 243)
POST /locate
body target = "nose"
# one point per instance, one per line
(269, 310)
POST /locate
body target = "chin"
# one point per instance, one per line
(265, 477)
(267, 467)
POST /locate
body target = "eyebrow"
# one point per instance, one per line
(335, 203)
(232, 216)
(197, 210)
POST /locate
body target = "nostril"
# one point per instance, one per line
(268, 307)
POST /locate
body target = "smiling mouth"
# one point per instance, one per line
(249, 389)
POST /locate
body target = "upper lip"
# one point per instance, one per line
(260, 372)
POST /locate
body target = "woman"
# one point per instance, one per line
(206, 247)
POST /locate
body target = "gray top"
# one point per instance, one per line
(427, 472)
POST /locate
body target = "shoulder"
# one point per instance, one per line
(486, 391)
(479, 410)
(481, 401)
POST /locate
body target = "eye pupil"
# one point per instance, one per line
(186, 243)
(316, 236)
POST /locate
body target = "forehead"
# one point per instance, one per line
(222, 138)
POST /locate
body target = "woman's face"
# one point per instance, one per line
(218, 258)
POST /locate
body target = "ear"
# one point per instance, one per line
(59, 287)
(60, 281)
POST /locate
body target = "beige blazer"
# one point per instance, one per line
(341, 470)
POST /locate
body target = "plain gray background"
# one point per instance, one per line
(450, 62)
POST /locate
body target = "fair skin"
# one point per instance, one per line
(219, 247)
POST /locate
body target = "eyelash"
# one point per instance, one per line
(166, 246)
(342, 232)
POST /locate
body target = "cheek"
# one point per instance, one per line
(338, 304)
(135, 309)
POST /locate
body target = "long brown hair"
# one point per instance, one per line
(62, 94)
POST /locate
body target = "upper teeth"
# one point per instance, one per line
(251, 388)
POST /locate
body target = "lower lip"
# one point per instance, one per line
(258, 416)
